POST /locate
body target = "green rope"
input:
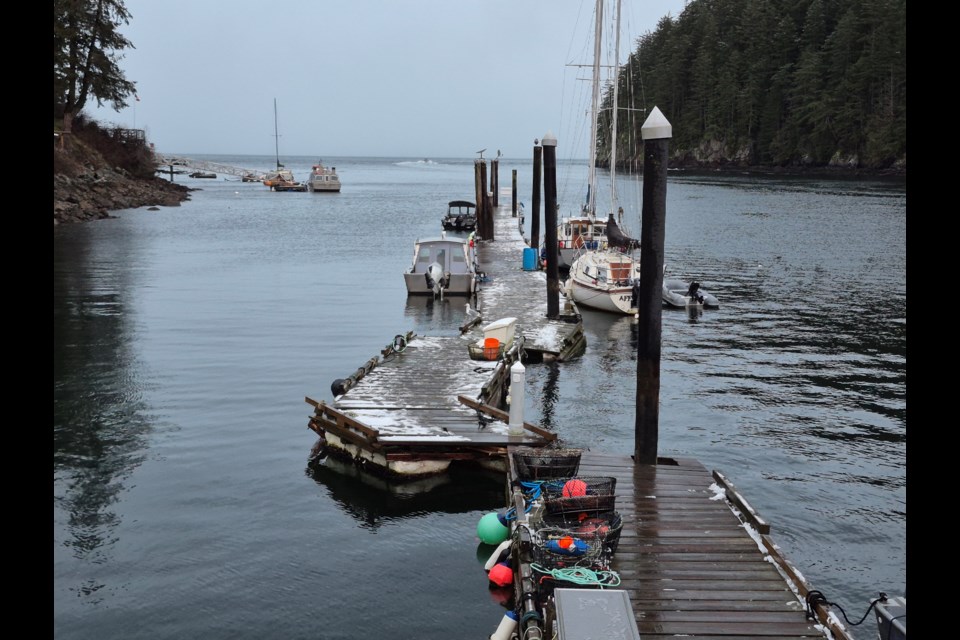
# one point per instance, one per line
(580, 575)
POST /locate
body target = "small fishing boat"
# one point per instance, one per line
(460, 216)
(203, 174)
(323, 179)
(442, 266)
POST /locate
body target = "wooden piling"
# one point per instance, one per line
(480, 188)
(550, 220)
(513, 194)
(656, 133)
(535, 198)
(495, 180)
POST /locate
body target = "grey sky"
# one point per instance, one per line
(417, 78)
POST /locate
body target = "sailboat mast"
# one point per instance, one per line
(276, 133)
(613, 115)
(591, 205)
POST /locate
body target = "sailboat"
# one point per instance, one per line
(605, 271)
(281, 178)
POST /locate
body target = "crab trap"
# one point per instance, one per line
(579, 494)
(546, 464)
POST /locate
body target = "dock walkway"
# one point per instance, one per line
(696, 560)
(424, 403)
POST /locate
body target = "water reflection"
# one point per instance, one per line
(100, 424)
(436, 317)
(374, 501)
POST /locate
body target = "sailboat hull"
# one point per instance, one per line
(605, 280)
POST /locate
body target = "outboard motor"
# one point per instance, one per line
(635, 294)
(435, 278)
(694, 292)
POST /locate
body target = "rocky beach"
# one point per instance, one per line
(87, 187)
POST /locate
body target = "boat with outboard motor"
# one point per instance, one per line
(460, 216)
(441, 267)
(681, 294)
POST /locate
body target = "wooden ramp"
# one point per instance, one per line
(696, 560)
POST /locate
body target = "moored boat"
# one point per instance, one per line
(323, 179)
(607, 280)
(460, 216)
(681, 294)
(442, 266)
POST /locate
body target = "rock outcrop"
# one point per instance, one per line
(86, 188)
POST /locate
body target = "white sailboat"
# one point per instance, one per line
(605, 272)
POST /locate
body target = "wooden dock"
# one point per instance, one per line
(423, 403)
(695, 559)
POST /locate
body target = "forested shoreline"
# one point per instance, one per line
(795, 85)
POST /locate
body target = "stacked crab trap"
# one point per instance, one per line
(573, 522)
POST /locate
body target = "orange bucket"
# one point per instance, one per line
(491, 348)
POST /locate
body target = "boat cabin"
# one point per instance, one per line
(454, 256)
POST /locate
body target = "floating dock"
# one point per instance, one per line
(694, 559)
(423, 403)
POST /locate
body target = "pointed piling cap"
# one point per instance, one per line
(656, 126)
(548, 139)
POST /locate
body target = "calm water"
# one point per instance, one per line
(186, 339)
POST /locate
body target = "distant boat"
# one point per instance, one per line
(279, 176)
(323, 179)
(460, 216)
(203, 174)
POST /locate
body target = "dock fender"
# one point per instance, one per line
(339, 386)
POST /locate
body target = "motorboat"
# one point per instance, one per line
(203, 174)
(323, 179)
(442, 267)
(681, 294)
(460, 216)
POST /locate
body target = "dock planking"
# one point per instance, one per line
(692, 562)
(430, 398)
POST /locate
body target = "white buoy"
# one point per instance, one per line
(517, 381)
(507, 625)
(495, 557)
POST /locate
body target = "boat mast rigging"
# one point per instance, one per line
(276, 134)
(591, 205)
(613, 115)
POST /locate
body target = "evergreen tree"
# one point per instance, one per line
(86, 56)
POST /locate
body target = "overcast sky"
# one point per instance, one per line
(412, 78)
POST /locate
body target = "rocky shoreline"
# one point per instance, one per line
(93, 195)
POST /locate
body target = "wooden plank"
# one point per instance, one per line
(503, 416)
